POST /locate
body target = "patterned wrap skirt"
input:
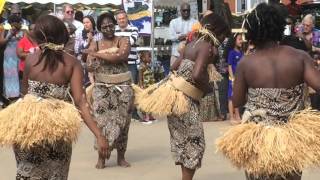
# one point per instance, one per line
(112, 107)
(187, 137)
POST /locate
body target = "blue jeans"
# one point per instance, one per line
(134, 72)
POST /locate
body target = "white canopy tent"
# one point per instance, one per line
(87, 2)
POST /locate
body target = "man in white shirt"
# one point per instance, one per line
(68, 15)
(179, 28)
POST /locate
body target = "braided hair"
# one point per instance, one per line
(264, 24)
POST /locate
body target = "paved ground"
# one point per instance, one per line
(149, 154)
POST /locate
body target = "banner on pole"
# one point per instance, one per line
(2, 2)
(140, 14)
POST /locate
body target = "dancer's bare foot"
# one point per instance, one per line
(123, 163)
(101, 163)
(235, 122)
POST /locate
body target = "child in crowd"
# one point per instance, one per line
(234, 55)
(146, 78)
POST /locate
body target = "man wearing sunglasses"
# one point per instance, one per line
(179, 28)
(68, 16)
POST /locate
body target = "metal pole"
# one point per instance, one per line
(54, 8)
(152, 31)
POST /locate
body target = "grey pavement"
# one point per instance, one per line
(149, 154)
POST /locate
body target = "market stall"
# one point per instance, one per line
(101, 2)
(34, 8)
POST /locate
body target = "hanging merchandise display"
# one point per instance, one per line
(164, 14)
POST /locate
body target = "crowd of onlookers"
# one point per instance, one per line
(16, 43)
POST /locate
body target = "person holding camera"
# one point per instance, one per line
(82, 41)
(9, 39)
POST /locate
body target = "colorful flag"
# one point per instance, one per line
(2, 2)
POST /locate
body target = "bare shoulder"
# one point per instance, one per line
(245, 59)
(294, 53)
(33, 58)
(71, 60)
(204, 44)
(203, 47)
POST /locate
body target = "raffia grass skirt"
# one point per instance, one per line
(161, 99)
(89, 91)
(34, 121)
(276, 149)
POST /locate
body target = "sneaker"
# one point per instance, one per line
(154, 120)
(146, 122)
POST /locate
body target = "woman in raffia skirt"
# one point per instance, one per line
(43, 124)
(178, 97)
(278, 138)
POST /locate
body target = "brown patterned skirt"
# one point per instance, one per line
(43, 162)
(187, 137)
(291, 176)
(112, 110)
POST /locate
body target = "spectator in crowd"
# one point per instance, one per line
(222, 67)
(83, 40)
(234, 56)
(16, 10)
(9, 40)
(69, 47)
(179, 28)
(290, 37)
(310, 34)
(281, 8)
(146, 79)
(2, 19)
(222, 9)
(25, 46)
(1, 67)
(78, 16)
(126, 30)
(294, 9)
(68, 15)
